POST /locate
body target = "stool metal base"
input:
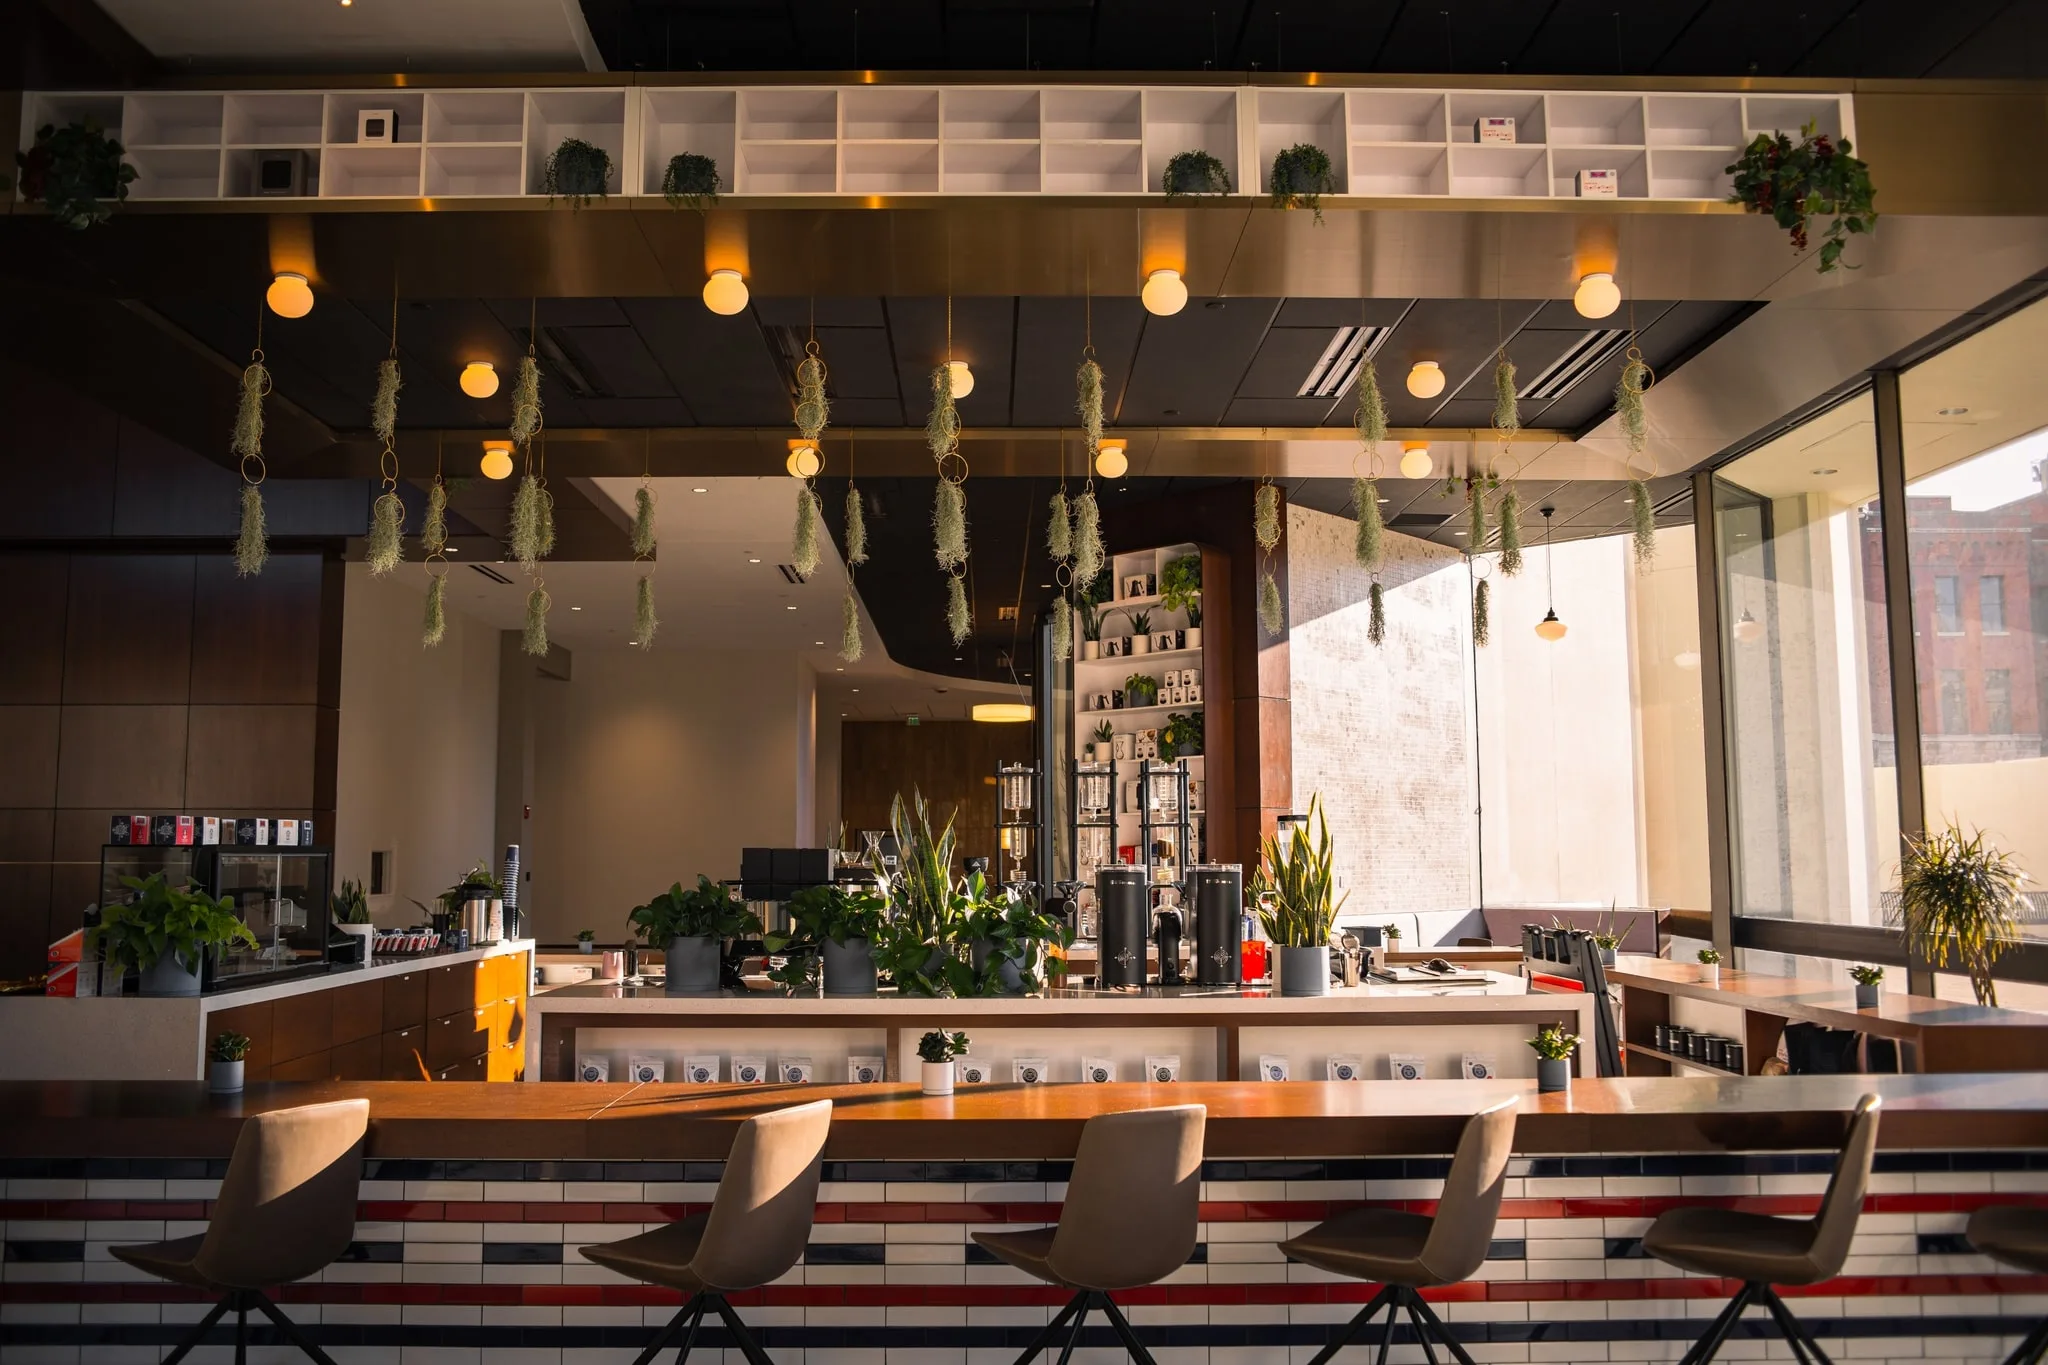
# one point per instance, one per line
(2033, 1350)
(1395, 1298)
(1804, 1347)
(240, 1302)
(1073, 1316)
(692, 1317)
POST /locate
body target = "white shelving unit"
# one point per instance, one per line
(926, 140)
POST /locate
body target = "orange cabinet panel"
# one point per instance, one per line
(505, 1064)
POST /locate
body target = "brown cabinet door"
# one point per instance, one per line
(403, 1054)
(472, 1069)
(452, 988)
(253, 1023)
(311, 1067)
(361, 1060)
(358, 1011)
(405, 1001)
(302, 1026)
(457, 1038)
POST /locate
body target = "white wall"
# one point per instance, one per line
(418, 746)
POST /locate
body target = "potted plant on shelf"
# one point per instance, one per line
(1191, 173)
(936, 1050)
(76, 172)
(1141, 689)
(1295, 891)
(919, 944)
(1961, 896)
(164, 935)
(1104, 747)
(1141, 632)
(690, 181)
(1554, 1048)
(691, 927)
(1867, 980)
(1182, 736)
(586, 940)
(1012, 940)
(224, 1060)
(1301, 177)
(1710, 966)
(1180, 589)
(1392, 934)
(1795, 182)
(838, 928)
(577, 171)
(352, 916)
(1091, 629)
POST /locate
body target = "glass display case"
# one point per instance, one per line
(280, 891)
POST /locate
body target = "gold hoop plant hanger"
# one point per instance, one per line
(433, 547)
(949, 502)
(386, 544)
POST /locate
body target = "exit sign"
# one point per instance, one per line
(910, 720)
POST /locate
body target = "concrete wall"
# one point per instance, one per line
(1671, 757)
(418, 750)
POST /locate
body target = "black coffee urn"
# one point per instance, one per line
(1120, 914)
(1166, 934)
(1215, 895)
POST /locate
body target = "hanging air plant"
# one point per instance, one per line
(644, 619)
(856, 528)
(1089, 554)
(803, 553)
(850, 648)
(1266, 516)
(1507, 416)
(1480, 631)
(434, 531)
(1510, 532)
(534, 639)
(942, 424)
(1088, 401)
(949, 525)
(1371, 545)
(813, 408)
(1644, 518)
(384, 407)
(526, 527)
(252, 543)
(526, 415)
(1272, 615)
(436, 624)
(247, 442)
(1059, 528)
(1475, 499)
(643, 519)
(1062, 630)
(958, 623)
(1628, 401)
(1371, 417)
(1376, 620)
(385, 547)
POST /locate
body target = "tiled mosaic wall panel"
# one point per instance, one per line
(475, 1263)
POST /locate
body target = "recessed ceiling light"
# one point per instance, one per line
(575, 609)
(1045, 585)
(700, 490)
(1950, 412)
(791, 607)
(817, 642)
(753, 559)
(856, 689)
(1824, 472)
(838, 670)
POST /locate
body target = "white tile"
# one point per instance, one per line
(430, 1191)
(523, 1191)
(444, 1232)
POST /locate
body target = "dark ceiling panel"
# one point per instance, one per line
(1283, 362)
(1477, 35)
(982, 332)
(1598, 38)
(1051, 336)
(614, 361)
(2011, 44)
(1750, 36)
(1459, 334)
(1191, 362)
(858, 365)
(1335, 313)
(860, 310)
(1676, 333)
(719, 365)
(514, 314)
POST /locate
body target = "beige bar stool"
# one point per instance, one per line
(759, 1221)
(1129, 1219)
(286, 1209)
(2016, 1236)
(1762, 1251)
(1408, 1252)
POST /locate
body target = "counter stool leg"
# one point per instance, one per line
(241, 1330)
(1703, 1350)
(1421, 1305)
(749, 1347)
(1421, 1333)
(197, 1334)
(1074, 1337)
(1803, 1344)
(693, 1309)
(1044, 1338)
(1356, 1327)
(1123, 1330)
(2033, 1349)
(290, 1329)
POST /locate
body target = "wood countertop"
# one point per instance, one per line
(1246, 1119)
(1897, 1015)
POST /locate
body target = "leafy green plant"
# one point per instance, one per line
(1182, 737)
(830, 912)
(940, 1046)
(1295, 885)
(75, 171)
(919, 947)
(586, 935)
(705, 911)
(1391, 932)
(351, 906)
(1141, 685)
(1180, 584)
(690, 181)
(1141, 622)
(1302, 175)
(1709, 957)
(1796, 182)
(1866, 976)
(1091, 619)
(1104, 732)
(228, 1047)
(577, 171)
(1960, 897)
(1191, 173)
(159, 920)
(1553, 1044)
(1019, 933)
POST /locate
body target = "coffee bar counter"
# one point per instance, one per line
(1207, 1033)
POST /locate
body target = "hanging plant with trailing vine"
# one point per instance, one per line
(1193, 173)
(690, 181)
(1796, 182)
(577, 171)
(76, 172)
(1302, 175)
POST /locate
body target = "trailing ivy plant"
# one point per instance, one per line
(1796, 182)
(577, 171)
(76, 172)
(690, 181)
(1302, 175)
(1192, 173)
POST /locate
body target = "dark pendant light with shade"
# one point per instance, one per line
(1549, 628)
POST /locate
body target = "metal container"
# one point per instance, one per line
(1716, 1050)
(1735, 1057)
(1675, 1039)
(1696, 1046)
(1215, 891)
(1663, 1037)
(1121, 902)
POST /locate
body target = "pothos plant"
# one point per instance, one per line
(818, 914)
(159, 920)
(690, 181)
(707, 910)
(1191, 173)
(76, 172)
(1796, 182)
(1302, 175)
(577, 171)
(1018, 933)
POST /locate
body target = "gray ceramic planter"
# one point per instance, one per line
(1553, 1076)
(1009, 975)
(1866, 996)
(692, 965)
(169, 977)
(849, 967)
(1305, 971)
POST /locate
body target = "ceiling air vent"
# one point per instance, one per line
(1348, 349)
(1580, 359)
(789, 573)
(488, 572)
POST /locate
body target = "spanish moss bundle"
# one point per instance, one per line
(547, 521)
(958, 623)
(850, 648)
(1510, 532)
(1475, 496)
(813, 409)
(1062, 630)
(1059, 528)
(949, 525)
(1271, 614)
(252, 543)
(1480, 595)
(1376, 621)
(387, 524)
(803, 552)
(247, 442)
(526, 400)
(1088, 549)
(1645, 518)
(1266, 517)
(434, 533)
(1372, 410)
(384, 407)
(1507, 418)
(526, 513)
(1088, 401)
(534, 640)
(1371, 526)
(856, 528)
(436, 624)
(942, 424)
(644, 619)
(643, 520)
(1628, 402)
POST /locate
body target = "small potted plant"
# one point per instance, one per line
(1302, 175)
(586, 940)
(936, 1050)
(1392, 934)
(839, 927)
(164, 935)
(1196, 172)
(1710, 966)
(1180, 589)
(1011, 941)
(1104, 746)
(1141, 689)
(1182, 736)
(691, 927)
(1141, 632)
(577, 171)
(1867, 980)
(1961, 896)
(224, 1059)
(690, 181)
(352, 916)
(1295, 889)
(76, 172)
(1554, 1048)
(1091, 630)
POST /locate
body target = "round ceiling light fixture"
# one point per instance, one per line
(479, 379)
(805, 459)
(1597, 295)
(1003, 712)
(1426, 379)
(1549, 628)
(960, 377)
(1165, 293)
(1111, 459)
(1415, 461)
(1747, 628)
(725, 292)
(497, 461)
(289, 296)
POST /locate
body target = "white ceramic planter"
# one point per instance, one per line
(224, 1078)
(1710, 973)
(1194, 638)
(938, 1078)
(1090, 648)
(1141, 644)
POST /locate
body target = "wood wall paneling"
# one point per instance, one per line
(122, 757)
(252, 756)
(253, 1022)
(67, 497)
(358, 1012)
(28, 741)
(258, 639)
(952, 762)
(129, 633)
(32, 612)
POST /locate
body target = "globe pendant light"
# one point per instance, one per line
(1415, 461)
(725, 292)
(960, 377)
(1426, 379)
(1549, 628)
(1111, 457)
(1747, 628)
(497, 461)
(479, 379)
(804, 460)
(289, 296)
(1165, 293)
(1597, 295)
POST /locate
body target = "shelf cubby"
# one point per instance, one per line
(1790, 113)
(476, 116)
(1179, 121)
(993, 115)
(171, 121)
(61, 107)
(175, 173)
(373, 172)
(788, 167)
(1594, 121)
(889, 168)
(275, 122)
(989, 167)
(595, 116)
(1629, 164)
(1094, 168)
(1526, 110)
(238, 172)
(881, 113)
(466, 171)
(1498, 171)
(1690, 173)
(1090, 114)
(1382, 169)
(1289, 117)
(1397, 116)
(789, 115)
(408, 111)
(1694, 121)
(676, 121)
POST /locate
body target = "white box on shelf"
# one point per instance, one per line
(1478, 1066)
(1493, 129)
(646, 1070)
(796, 1071)
(1272, 1068)
(750, 1070)
(1599, 184)
(1344, 1067)
(1194, 691)
(593, 1066)
(1098, 1070)
(1030, 1070)
(1406, 1066)
(1162, 1069)
(863, 1070)
(702, 1070)
(378, 127)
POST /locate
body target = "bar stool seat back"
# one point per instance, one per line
(1132, 1172)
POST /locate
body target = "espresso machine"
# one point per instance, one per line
(1166, 932)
